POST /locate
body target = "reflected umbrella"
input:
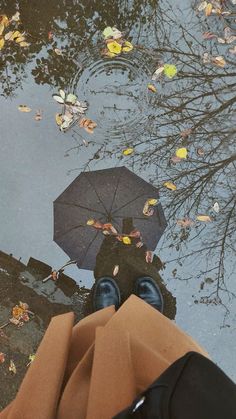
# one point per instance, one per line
(107, 196)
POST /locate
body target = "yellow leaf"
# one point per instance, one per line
(12, 367)
(128, 151)
(181, 153)
(24, 108)
(127, 46)
(152, 201)
(4, 20)
(90, 222)
(208, 9)
(32, 357)
(170, 70)
(2, 27)
(152, 88)
(2, 42)
(59, 119)
(170, 186)
(205, 218)
(114, 47)
(126, 240)
(20, 39)
(220, 61)
(15, 35)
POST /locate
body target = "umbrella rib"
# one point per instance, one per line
(90, 244)
(97, 195)
(79, 206)
(114, 196)
(147, 219)
(71, 229)
(127, 203)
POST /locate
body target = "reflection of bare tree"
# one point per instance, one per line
(195, 110)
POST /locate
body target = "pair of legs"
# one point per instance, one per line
(106, 293)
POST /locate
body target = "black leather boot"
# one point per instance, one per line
(147, 289)
(106, 293)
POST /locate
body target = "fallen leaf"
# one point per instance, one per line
(127, 46)
(152, 88)
(20, 39)
(185, 222)
(114, 47)
(204, 218)
(208, 9)
(181, 153)
(62, 94)
(202, 6)
(38, 115)
(126, 240)
(15, 34)
(221, 40)
(16, 17)
(25, 306)
(87, 124)
(32, 357)
(14, 321)
(2, 27)
(216, 207)
(24, 108)
(115, 270)
(58, 51)
(152, 201)
(110, 32)
(233, 50)
(12, 367)
(128, 151)
(59, 119)
(24, 44)
(230, 39)
(208, 35)
(4, 20)
(157, 73)
(149, 256)
(2, 357)
(2, 42)
(70, 98)
(219, 60)
(58, 99)
(170, 186)
(90, 222)
(200, 151)
(170, 70)
(50, 35)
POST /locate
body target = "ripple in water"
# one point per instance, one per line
(116, 90)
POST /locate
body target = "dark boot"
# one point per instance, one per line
(147, 289)
(106, 293)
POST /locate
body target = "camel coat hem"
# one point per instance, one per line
(95, 369)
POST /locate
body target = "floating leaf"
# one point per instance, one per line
(24, 44)
(181, 153)
(170, 70)
(58, 51)
(90, 222)
(186, 133)
(87, 124)
(202, 6)
(114, 47)
(24, 108)
(233, 50)
(16, 17)
(216, 207)
(70, 98)
(108, 32)
(185, 222)
(128, 151)
(12, 367)
(4, 20)
(204, 218)
(221, 40)
(200, 151)
(20, 39)
(219, 60)
(2, 42)
(38, 115)
(153, 201)
(58, 99)
(152, 88)
(175, 159)
(62, 94)
(157, 73)
(126, 240)
(2, 357)
(115, 270)
(170, 186)
(2, 27)
(208, 9)
(127, 46)
(59, 119)
(208, 35)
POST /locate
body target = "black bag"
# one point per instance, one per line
(193, 387)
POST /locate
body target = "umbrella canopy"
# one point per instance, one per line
(109, 195)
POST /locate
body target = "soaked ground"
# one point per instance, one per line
(194, 110)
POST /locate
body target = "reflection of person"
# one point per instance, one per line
(128, 269)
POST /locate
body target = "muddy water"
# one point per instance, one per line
(38, 161)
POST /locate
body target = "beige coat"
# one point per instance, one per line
(96, 368)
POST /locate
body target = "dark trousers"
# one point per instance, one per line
(193, 387)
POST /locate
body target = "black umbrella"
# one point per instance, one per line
(109, 195)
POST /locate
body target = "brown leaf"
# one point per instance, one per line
(186, 132)
(149, 256)
(219, 61)
(2, 357)
(38, 115)
(200, 151)
(175, 159)
(208, 35)
(185, 222)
